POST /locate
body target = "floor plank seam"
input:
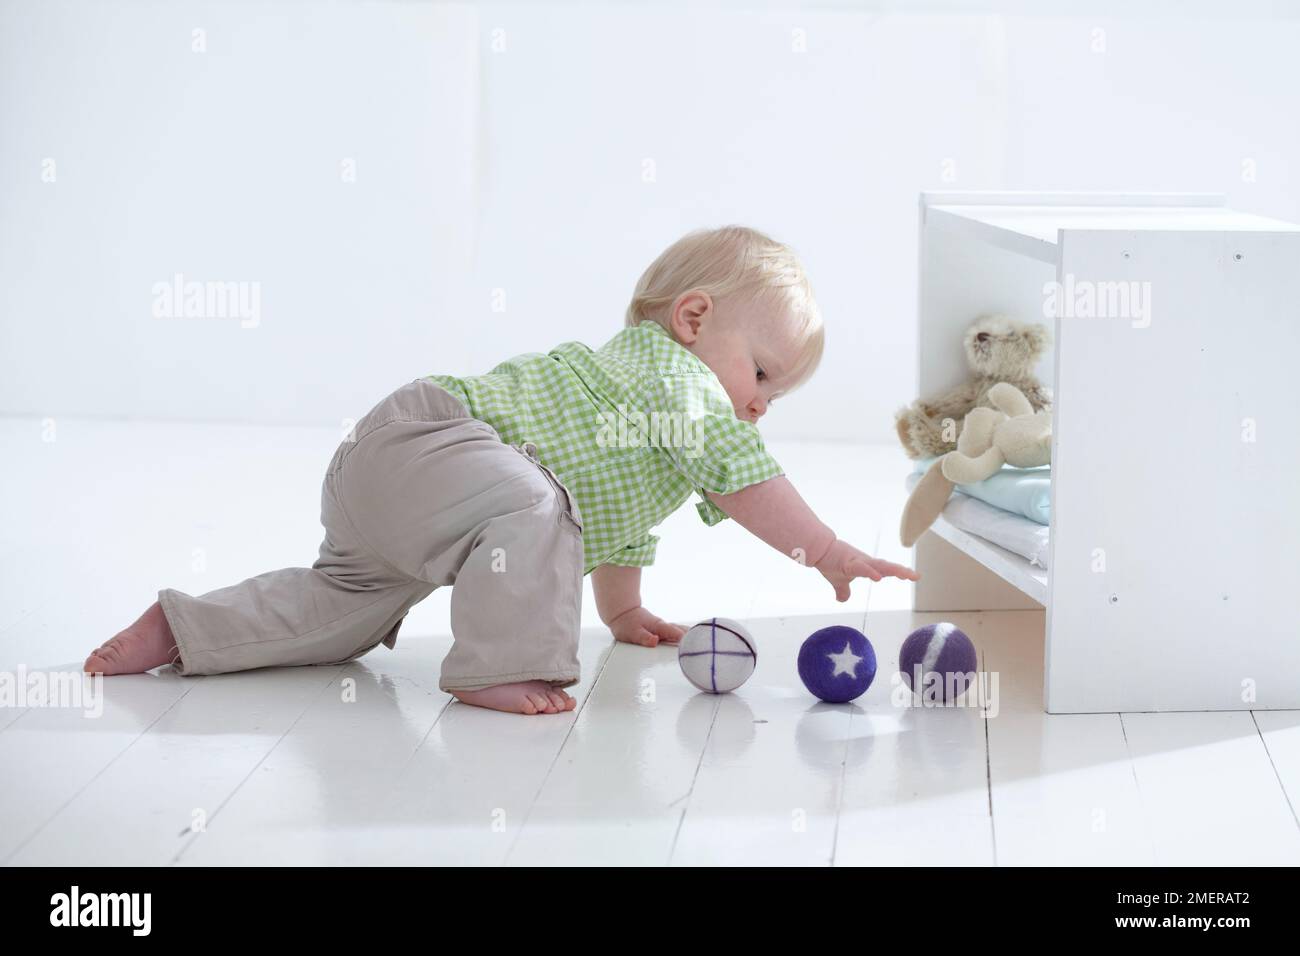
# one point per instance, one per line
(988, 754)
(248, 776)
(17, 718)
(577, 713)
(102, 770)
(839, 803)
(415, 750)
(713, 719)
(1285, 796)
(1137, 784)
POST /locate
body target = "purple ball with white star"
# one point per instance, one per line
(837, 664)
(944, 659)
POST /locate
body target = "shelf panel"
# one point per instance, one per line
(1009, 566)
(1033, 230)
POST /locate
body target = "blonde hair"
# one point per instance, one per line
(733, 261)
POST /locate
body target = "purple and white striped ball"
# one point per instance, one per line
(717, 655)
(941, 649)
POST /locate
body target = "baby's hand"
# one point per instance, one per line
(639, 626)
(843, 562)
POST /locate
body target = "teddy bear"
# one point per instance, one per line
(1009, 433)
(998, 349)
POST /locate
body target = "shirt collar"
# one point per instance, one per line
(683, 353)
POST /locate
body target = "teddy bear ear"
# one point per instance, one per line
(1038, 337)
(988, 322)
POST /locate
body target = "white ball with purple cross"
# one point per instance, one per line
(717, 655)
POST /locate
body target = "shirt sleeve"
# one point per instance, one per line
(639, 554)
(710, 513)
(717, 451)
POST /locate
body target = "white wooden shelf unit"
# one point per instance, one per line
(1175, 522)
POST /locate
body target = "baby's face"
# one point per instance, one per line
(748, 346)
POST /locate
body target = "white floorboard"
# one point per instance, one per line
(403, 775)
(369, 763)
(1280, 731)
(916, 777)
(1211, 793)
(50, 755)
(1063, 786)
(616, 793)
(179, 771)
(769, 781)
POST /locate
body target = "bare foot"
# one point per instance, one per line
(526, 697)
(146, 644)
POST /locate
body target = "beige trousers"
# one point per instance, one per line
(421, 496)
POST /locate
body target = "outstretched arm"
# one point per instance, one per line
(774, 512)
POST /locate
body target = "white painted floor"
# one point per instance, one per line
(278, 767)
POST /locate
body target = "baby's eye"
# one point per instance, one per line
(761, 374)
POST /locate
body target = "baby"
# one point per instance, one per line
(512, 486)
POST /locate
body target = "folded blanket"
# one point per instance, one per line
(1022, 491)
(1018, 535)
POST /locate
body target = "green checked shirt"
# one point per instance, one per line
(631, 429)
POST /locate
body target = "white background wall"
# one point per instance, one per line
(522, 169)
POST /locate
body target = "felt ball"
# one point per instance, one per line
(837, 664)
(937, 661)
(717, 655)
